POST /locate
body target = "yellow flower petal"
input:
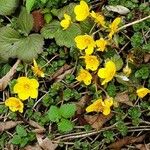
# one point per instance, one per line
(142, 92)
(108, 102)
(85, 42)
(65, 23)
(14, 104)
(108, 72)
(81, 11)
(26, 88)
(91, 62)
(101, 44)
(106, 111)
(114, 27)
(37, 70)
(34, 83)
(99, 19)
(96, 106)
(34, 93)
(84, 76)
(24, 95)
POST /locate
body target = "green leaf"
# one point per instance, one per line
(25, 21)
(29, 5)
(66, 37)
(68, 110)
(143, 73)
(7, 7)
(65, 125)
(16, 140)
(54, 114)
(137, 39)
(86, 25)
(50, 29)
(21, 131)
(118, 61)
(12, 45)
(24, 141)
(30, 47)
(69, 9)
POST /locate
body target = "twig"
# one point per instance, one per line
(134, 22)
(71, 136)
(40, 99)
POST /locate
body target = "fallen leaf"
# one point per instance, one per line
(5, 80)
(46, 143)
(33, 147)
(62, 76)
(38, 20)
(60, 71)
(123, 98)
(8, 125)
(126, 141)
(82, 103)
(147, 58)
(118, 9)
(98, 120)
(39, 129)
(143, 146)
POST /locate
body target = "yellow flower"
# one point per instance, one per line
(126, 70)
(14, 104)
(81, 11)
(114, 27)
(142, 92)
(101, 106)
(91, 62)
(85, 42)
(65, 23)
(101, 44)
(37, 70)
(108, 72)
(99, 19)
(26, 88)
(84, 76)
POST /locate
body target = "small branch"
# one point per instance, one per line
(134, 22)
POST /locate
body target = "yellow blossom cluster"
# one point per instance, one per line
(24, 88)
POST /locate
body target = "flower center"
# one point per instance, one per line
(27, 86)
(87, 41)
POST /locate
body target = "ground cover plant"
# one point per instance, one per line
(74, 74)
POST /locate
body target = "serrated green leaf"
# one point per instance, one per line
(69, 9)
(66, 37)
(29, 5)
(50, 29)
(142, 73)
(30, 47)
(12, 45)
(68, 110)
(118, 62)
(21, 131)
(7, 7)
(65, 125)
(25, 21)
(54, 114)
(16, 140)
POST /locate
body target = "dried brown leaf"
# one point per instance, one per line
(8, 125)
(39, 129)
(62, 76)
(5, 80)
(38, 20)
(98, 120)
(33, 147)
(46, 143)
(147, 58)
(143, 146)
(125, 141)
(60, 71)
(82, 103)
(123, 98)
